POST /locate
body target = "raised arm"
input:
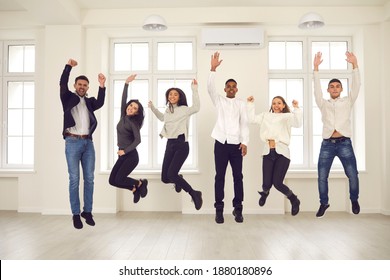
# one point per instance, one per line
(317, 84)
(215, 62)
(156, 112)
(317, 60)
(355, 85)
(64, 89)
(252, 117)
(125, 92)
(297, 115)
(195, 98)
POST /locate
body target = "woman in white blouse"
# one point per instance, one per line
(275, 131)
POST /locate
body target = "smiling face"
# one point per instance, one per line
(81, 87)
(335, 89)
(173, 97)
(277, 105)
(132, 109)
(231, 89)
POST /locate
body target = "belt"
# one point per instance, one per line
(86, 136)
(337, 140)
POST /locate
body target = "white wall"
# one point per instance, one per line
(45, 189)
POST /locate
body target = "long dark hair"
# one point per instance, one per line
(140, 116)
(182, 98)
(286, 109)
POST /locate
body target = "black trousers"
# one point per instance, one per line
(275, 167)
(224, 154)
(122, 168)
(176, 153)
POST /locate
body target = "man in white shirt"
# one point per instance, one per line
(336, 133)
(231, 134)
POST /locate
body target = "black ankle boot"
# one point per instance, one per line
(263, 197)
(219, 216)
(197, 199)
(237, 213)
(294, 204)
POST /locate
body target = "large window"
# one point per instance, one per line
(159, 65)
(291, 76)
(18, 95)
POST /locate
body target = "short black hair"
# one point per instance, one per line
(335, 81)
(82, 77)
(230, 80)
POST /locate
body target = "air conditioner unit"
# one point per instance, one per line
(218, 38)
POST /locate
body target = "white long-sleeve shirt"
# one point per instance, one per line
(80, 115)
(275, 126)
(177, 122)
(232, 121)
(336, 113)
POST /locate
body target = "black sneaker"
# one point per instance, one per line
(177, 187)
(219, 217)
(77, 223)
(237, 213)
(355, 207)
(143, 189)
(321, 210)
(197, 199)
(137, 196)
(263, 198)
(88, 218)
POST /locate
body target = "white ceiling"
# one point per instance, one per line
(20, 5)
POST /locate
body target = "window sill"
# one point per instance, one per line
(15, 172)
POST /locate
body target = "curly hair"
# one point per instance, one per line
(140, 116)
(182, 98)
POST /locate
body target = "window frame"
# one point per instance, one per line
(152, 75)
(306, 73)
(7, 77)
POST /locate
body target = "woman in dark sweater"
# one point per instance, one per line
(129, 137)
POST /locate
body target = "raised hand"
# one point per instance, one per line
(130, 78)
(101, 79)
(215, 62)
(317, 60)
(295, 104)
(72, 62)
(351, 58)
(250, 99)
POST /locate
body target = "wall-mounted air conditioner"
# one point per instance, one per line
(218, 38)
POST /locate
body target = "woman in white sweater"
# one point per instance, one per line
(176, 121)
(275, 131)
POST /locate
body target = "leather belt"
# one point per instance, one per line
(86, 136)
(336, 140)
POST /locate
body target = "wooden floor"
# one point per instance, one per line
(174, 236)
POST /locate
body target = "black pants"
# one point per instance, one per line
(275, 167)
(176, 153)
(224, 154)
(122, 168)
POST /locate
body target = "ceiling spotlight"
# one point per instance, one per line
(154, 23)
(311, 21)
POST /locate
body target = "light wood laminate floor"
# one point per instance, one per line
(175, 236)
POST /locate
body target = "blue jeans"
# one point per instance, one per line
(80, 151)
(344, 151)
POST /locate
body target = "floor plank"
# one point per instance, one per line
(176, 236)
